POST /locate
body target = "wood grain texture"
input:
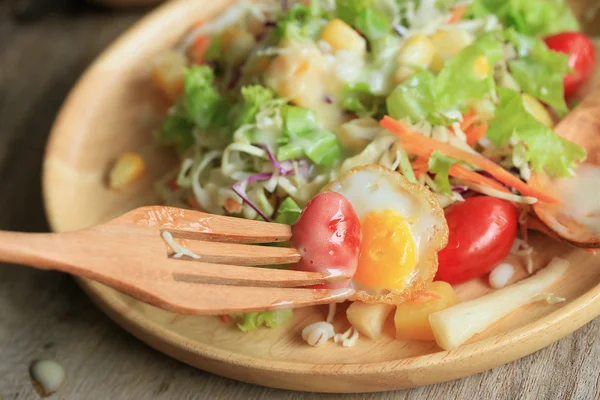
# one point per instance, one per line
(44, 315)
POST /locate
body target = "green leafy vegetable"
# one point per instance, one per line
(440, 164)
(539, 71)
(201, 101)
(531, 17)
(544, 149)
(414, 99)
(465, 78)
(176, 131)
(303, 137)
(372, 23)
(301, 21)
(271, 319)
(355, 97)
(254, 97)
(468, 76)
(288, 212)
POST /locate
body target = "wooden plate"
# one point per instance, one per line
(110, 111)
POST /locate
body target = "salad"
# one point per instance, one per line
(396, 136)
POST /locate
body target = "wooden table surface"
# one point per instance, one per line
(44, 315)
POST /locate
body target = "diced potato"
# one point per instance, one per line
(167, 73)
(412, 318)
(341, 36)
(368, 319)
(298, 77)
(537, 110)
(128, 168)
(417, 51)
(449, 42)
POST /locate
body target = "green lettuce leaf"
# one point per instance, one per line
(288, 212)
(362, 15)
(439, 164)
(254, 97)
(461, 81)
(539, 71)
(303, 137)
(271, 319)
(201, 101)
(414, 99)
(176, 131)
(531, 17)
(357, 98)
(301, 21)
(544, 149)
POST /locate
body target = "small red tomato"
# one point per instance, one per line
(327, 235)
(482, 231)
(581, 57)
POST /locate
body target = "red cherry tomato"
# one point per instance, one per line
(327, 235)
(482, 231)
(581, 57)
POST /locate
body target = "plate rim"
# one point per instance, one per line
(506, 347)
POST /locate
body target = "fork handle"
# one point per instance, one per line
(30, 249)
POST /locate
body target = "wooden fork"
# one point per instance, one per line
(131, 254)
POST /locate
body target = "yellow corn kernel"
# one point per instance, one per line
(481, 67)
(537, 110)
(417, 51)
(412, 318)
(403, 73)
(167, 73)
(128, 168)
(449, 42)
(341, 36)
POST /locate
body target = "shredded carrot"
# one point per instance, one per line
(591, 251)
(424, 146)
(468, 120)
(420, 165)
(458, 171)
(201, 44)
(457, 13)
(225, 318)
(475, 132)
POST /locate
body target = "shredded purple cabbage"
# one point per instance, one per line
(240, 189)
(328, 99)
(286, 167)
(459, 188)
(400, 30)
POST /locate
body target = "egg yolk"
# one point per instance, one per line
(388, 253)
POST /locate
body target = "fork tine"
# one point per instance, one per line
(201, 272)
(241, 254)
(200, 299)
(189, 224)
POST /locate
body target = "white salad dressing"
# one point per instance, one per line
(580, 196)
